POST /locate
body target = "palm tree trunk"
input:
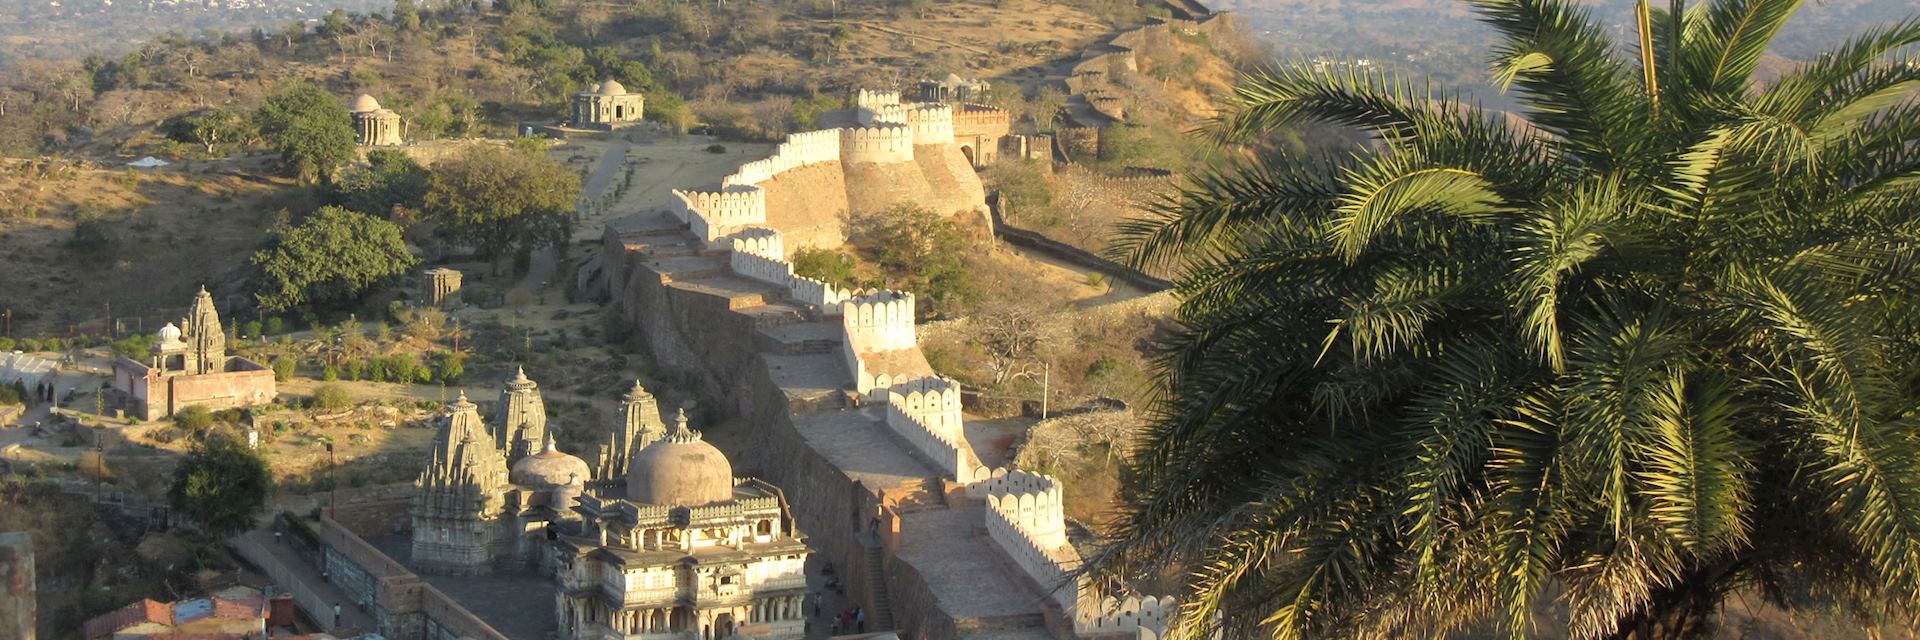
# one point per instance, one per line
(1682, 610)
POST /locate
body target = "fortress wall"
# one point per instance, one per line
(926, 412)
(978, 120)
(759, 241)
(806, 203)
(932, 124)
(948, 172)
(882, 143)
(879, 321)
(867, 98)
(713, 214)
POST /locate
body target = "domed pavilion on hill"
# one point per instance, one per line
(606, 105)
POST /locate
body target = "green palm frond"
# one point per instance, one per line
(1383, 105)
(1693, 467)
(1719, 56)
(1585, 96)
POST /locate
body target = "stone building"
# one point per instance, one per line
(521, 426)
(189, 365)
(682, 549)
(374, 126)
(442, 283)
(954, 88)
(640, 426)
(459, 501)
(607, 105)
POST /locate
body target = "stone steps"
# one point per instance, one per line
(881, 618)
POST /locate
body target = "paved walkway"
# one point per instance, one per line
(311, 591)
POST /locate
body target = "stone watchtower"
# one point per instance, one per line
(522, 424)
(374, 126)
(606, 105)
(458, 502)
(641, 427)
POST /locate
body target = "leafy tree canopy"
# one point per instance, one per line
(333, 256)
(389, 179)
(498, 199)
(309, 127)
(207, 128)
(221, 485)
(919, 251)
(1648, 349)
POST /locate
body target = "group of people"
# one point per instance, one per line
(852, 620)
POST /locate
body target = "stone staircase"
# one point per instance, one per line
(881, 617)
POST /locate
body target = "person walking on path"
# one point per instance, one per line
(859, 620)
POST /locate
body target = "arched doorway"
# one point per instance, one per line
(967, 150)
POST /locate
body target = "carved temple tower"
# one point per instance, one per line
(458, 502)
(521, 426)
(641, 426)
(206, 341)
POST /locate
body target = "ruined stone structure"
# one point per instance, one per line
(374, 126)
(441, 283)
(607, 105)
(856, 421)
(686, 549)
(189, 366)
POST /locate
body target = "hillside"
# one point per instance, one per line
(757, 70)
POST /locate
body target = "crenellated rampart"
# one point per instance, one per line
(881, 143)
(931, 123)
(713, 214)
(926, 413)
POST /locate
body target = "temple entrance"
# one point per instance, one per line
(723, 626)
(620, 112)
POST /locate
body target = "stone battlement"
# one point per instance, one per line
(932, 124)
(759, 241)
(713, 214)
(879, 143)
(926, 412)
(868, 98)
(879, 321)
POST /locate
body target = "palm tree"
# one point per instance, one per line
(1597, 371)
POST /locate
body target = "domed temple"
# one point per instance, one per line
(667, 541)
(606, 106)
(683, 548)
(374, 126)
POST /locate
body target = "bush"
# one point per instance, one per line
(283, 369)
(331, 397)
(449, 367)
(193, 419)
(253, 328)
(825, 265)
(6, 344)
(329, 373)
(273, 326)
(716, 148)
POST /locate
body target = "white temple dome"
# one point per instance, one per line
(549, 469)
(681, 469)
(365, 104)
(170, 333)
(609, 87)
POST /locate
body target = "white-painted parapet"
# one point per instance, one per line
(758, 253)
(884, 114)
(926, 412)
(883, 143)
(712, 215)
(824, 297)
(879, 321)
(1040, 552)
(1138, 616)
(799, 150)
(931, 123)
(868, 98)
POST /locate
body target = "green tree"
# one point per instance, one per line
(389, 179)
(826, 265)
(207, 128)
(193, 418)
(919, 251)
(310, 129)
(332, 397)
(331, 257)
(406, 15)
(498, 200)
(221, 485)
(1649, 350)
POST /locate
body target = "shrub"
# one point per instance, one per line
(331, 397)
(193, 419)
(449, 367)
(283, 369)
(6, 344)
(329, 374)
(716, 148)
(253, 328)
(273, 326)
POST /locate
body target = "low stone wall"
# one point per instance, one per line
(403, 604)
(1036, 241)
